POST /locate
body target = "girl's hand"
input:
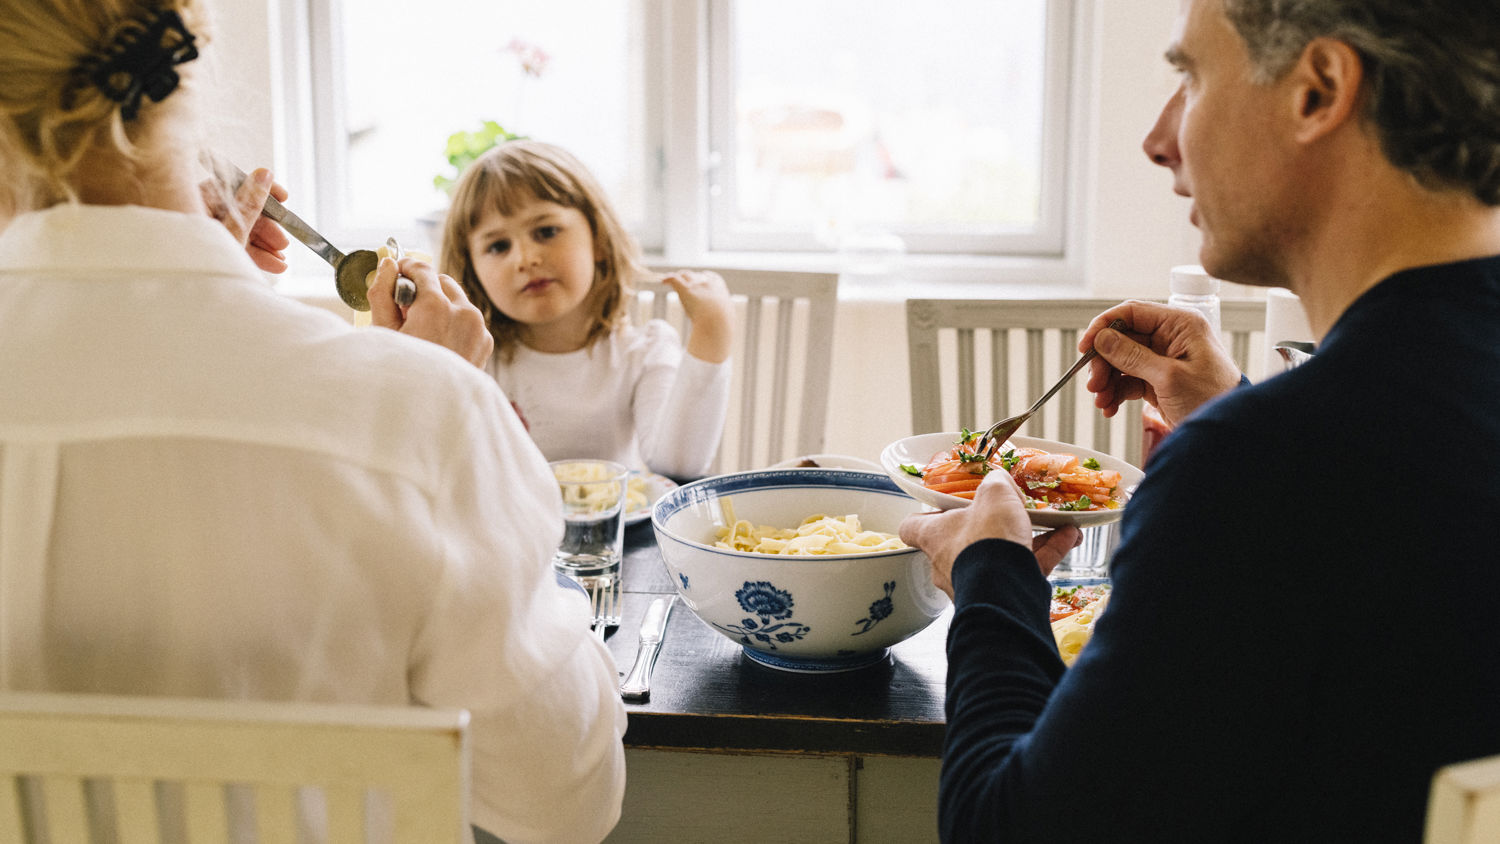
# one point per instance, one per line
(441, 313)
(705, 300)
(262, 238)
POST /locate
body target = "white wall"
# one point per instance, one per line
(243, 53)
(1134, 228)
(1139, 227)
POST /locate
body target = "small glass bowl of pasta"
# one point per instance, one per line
(800, 567)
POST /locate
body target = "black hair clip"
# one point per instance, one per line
(140, 61)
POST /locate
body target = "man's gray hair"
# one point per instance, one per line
(1432, 72)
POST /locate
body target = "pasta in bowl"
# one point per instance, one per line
(830, 588)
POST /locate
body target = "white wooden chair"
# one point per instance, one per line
(976, 361)
(783, 360)
(89, 768)
(1464, 804)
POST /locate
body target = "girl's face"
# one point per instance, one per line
(537, 265)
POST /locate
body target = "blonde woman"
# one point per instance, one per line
(210, 490)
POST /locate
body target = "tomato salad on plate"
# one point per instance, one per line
(1050, 480)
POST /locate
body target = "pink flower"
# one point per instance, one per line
(533, 58)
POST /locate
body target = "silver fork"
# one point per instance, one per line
(604, 597)
(1002, 430)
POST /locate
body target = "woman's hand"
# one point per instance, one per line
(1171, 357)
(262, 238)
(996, 513)
(705, 300)
(441, 313)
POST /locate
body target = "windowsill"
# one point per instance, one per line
(916, 276)
(909, 277)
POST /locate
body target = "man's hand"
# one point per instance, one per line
(441, 313)
(262, 238)
(997, 513)
(1171, 357)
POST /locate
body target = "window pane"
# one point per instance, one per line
(887, 115)
(566, 71)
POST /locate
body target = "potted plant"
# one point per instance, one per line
(464, 146)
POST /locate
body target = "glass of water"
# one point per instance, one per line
(1091, 557)
(593, 543)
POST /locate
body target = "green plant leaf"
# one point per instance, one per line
(465, 146)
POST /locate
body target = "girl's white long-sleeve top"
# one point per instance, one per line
(210, 490)
(635, 397)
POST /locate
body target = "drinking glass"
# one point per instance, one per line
(593, 494)
(1091, 557)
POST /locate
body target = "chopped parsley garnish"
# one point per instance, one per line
(911, 470)
(965, 436)
(1091, 463)
(1009, 459)
(1041, 485)
(1083, 503)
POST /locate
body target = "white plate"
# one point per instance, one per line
(656, 487)
(829, 461)
(919, 450)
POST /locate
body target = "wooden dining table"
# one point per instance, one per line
(847, 756)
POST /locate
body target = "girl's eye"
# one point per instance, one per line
(499, 247)
(547, 232)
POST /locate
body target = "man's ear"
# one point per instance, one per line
(1327, 86)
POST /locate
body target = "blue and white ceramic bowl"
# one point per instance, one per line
(809, 613)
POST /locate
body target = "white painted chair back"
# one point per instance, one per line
(1464, 804)
(94, 768)
(783, 361)
(976, 361)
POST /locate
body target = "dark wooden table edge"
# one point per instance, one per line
(781, 734)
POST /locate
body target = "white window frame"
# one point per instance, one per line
(680, 123)
(1046, 239)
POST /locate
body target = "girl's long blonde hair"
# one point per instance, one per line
(511, 173)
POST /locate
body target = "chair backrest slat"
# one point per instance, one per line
(65, 812)
(966, 372)
(781, 379)
(276, 812)
(207, 816)
(999, 372)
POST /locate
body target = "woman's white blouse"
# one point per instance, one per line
(210, 490)
(634, 397)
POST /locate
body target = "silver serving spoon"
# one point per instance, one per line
(1002, 430)
(349, 271)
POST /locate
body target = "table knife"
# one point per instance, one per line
(637, 683)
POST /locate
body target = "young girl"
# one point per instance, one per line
(535, 244)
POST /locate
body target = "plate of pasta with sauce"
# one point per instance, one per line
(1063, 483)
